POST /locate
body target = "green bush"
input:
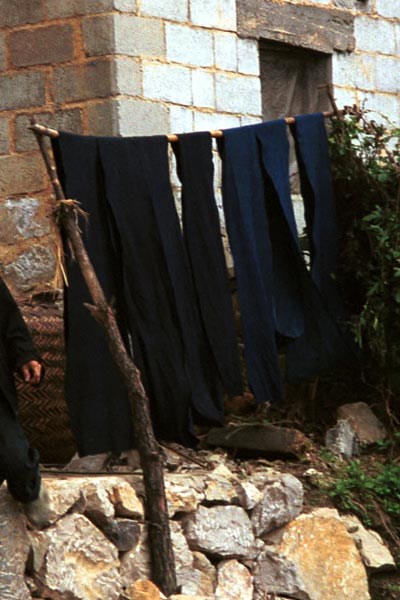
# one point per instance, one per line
(366, 174)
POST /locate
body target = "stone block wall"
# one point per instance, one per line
(143, 67)
(371, 73)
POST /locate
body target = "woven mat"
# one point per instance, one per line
(43, 411)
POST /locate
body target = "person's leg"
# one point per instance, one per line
(19, 463)
(19, 466)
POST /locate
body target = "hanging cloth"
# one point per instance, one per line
(248, 227)
(288, 300)
(161, 301)
(202, 237)
(98, 405)
(312, 153)
(318, 344)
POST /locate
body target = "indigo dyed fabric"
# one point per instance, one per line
(98, 405)
(202, 237)
(248, 230)
(276, 292)
(312, 153)
(288, 301)
(161, 300)
(314, 341)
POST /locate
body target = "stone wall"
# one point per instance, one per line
(133, 67)
(235, 536)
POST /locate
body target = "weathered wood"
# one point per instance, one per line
(162, 557)
(323, 29)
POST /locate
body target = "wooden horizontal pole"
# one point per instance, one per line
(172, 137)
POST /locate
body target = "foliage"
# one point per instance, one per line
(369, 493)
(366, 173)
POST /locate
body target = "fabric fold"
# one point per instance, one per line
(98, 405)
(160, 297)
(202, 237)
(288, 300)
(312, 151)
(248, 231)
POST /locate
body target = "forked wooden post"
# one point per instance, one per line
(162, 557)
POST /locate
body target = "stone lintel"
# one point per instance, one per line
(322, 29)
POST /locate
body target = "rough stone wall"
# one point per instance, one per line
(138, 67)
(233, 537)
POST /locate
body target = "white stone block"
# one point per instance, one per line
(125, 5)
(180, 119)
(388, 74)
(344, 97)
(127, 76)
(139, 117)
(136, 36)
(174, 10)
(385, 108)
(217, 14)
(203, 89)
(189, 46)
(170, 83)
(250, 120)
(354, 70)
(210, 121)
(248, 57)
(374, 35)
(225, 49)
(388, 8)
(238, 94)
(398, 39)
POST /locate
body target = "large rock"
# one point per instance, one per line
(312, 558)
(79, 562)
(22, 219)
(182, 553)
(101, 498)
(190, 597)
(221, 531)
(184, 493)
(200, 579)
(221, 487)
(123, 533)
(282, 502)
(363, 422)
(142, 589)
(14, 548)
(98, 494)
(135, 564)
(125, 500)
(234, 581)
(249, 495)
(341, 439)
(259, 438)
(375, 555)
(33, 267)
(64, 494)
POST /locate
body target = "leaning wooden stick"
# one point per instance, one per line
(162, 557)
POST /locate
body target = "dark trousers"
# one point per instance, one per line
(19, 463)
